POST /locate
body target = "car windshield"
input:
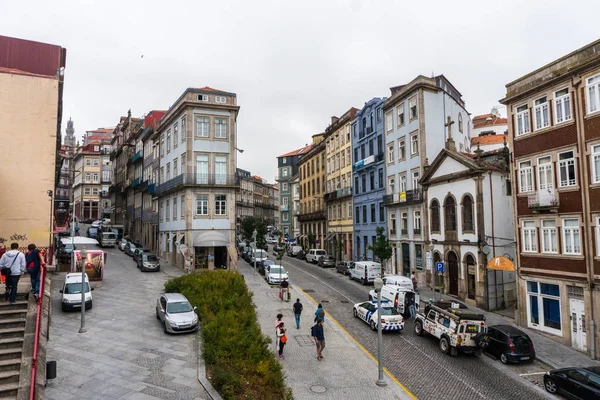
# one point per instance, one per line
(179, 307)
(260, 254)
(320, 252)
(109, 236)
(268, 262)
(75, 288)
(277, 270)
(150, 258)
(389, 311)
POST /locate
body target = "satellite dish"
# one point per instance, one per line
(494, 111)
(486, 250)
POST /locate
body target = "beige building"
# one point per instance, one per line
(87, 185)
(31, 85)
(338, 195)
(313, 215)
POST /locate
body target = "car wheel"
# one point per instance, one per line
(373, 325)
(362, 281)
(550, 385)
(355, 313)
(90, 307)
(157, 317)
(503, 358)
(444, 345)
(165, 327)
(418, 329)
(65, 309)
(370, 298)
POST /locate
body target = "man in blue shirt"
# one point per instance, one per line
(319, 337)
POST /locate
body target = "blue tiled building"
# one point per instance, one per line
(368, 175)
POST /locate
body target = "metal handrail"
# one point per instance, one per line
(38, 323)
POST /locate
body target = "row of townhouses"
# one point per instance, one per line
(458, 195)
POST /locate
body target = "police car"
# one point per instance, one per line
(391, 319)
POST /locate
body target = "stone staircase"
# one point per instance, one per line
(12, 334)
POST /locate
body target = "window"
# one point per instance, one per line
(220, 204)
(391, 153)
(96, 162)
(380, 177)
(371, 150)
(401, 114)
(379, 114)
(201, 204)
(168, 210)
(183, 165)
(88, 177)
(183, 129)
(372, 179)
(220, 170)
(389, 122)
(522, 120)
(549, 240)
(545, 178)
(596, 164)
(175, 135)
(566, 167)
(393, 223)
(401, 149)
(381, 212)
(168, 176)
(402, 179)
(435, 216)
(391, 185)
(168, 141)
(450, 213)
(182, 212)
(417, 221)
(284, 172)
(404, 222)
(593, 94)
(571, 237)
(562, 106)
(467, 216)
(220, 99)
(95, 177)
(202, 126)
(356, 185)
(161, 211)
(87, 190)
(174, 208)
(95, 190)
(526, 177)
(373, 213)
(358, 215)
(460, 123)
(88, 162)
(542, 118)
(412, 106)
(414, 144)
(284, 160)
(364, 209)
(202, 97)
(415, 180)
(221, 128)
(162, 145)
(529, 237)
(162, 175)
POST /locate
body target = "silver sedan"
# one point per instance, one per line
(176, 314)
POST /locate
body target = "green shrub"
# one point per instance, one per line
(235, 350)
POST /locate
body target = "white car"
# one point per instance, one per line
(176, 314)
(391, 320)
(276, 274)
(271, 240)
(71, 292)
(258, 256)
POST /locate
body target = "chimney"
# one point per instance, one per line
(334, 119)
(478, 155)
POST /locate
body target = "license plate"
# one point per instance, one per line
(524, 358)
(184, 326)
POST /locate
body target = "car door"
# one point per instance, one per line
(592, 389)
(576, 383)
(430, 321)
(496, 342)
(163, 308)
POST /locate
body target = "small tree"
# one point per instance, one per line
(280, 251)
(248, 226)
(261, 233)
(381, 248)
(311, 240)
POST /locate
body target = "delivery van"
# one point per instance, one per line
(365, 271)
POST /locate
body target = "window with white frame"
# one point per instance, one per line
(88, 162)
(542, 115)
(175, 134)
(549, 236)
(183, 128)
(95, 190)
(87, 190)
(414, 144)
(161, 211)
(175, 170)
(402, 180)
(404, 222)
(168, 141)
(571, 236)
(401, 149)
(220, 99)
(220, 204)
(598, 236)
(525, 177)
(566, 167)
(417, 221)
(284, 187)
(202, 204)
(545, 178)
(389, 122)
(522, 118)
(221, 128)
(95, 177)
(460, 123)
(595, 164)
(593, 94)
(529, 237)
(562, 106)
(182, 204)
(88, 177)
(391, 185)
(202, 97)
(96, 162)
(174, 208)
(168, 210)
(401, 114)
(391, 153)
(202, 126)
(412, 108)
(415, 180)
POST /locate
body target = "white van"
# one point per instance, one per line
(365, 271)
(71, 292)
(403, 282)
(313, 255)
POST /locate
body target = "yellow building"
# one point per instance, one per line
(338, 192)
(313, 216)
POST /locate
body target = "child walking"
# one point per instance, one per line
(282, 338)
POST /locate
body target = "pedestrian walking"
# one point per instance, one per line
(281, 339)
(411, 307)
(297, 311)
(319, 338)
(320, 314)
(34, 262)
(413, 278)
(5, 277)
(15, 261)
(278, 320)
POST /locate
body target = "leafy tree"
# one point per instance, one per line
(261, 233)
(280, 251)
(312, 241)
(248, 226)
(381, 248)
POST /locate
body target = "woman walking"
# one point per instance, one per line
(319, 314)
(282, 339)
(33, 262)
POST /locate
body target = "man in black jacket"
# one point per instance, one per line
(297, 311)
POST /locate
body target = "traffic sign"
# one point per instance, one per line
(439, 266)
(428, 258)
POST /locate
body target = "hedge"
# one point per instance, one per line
(235, 350)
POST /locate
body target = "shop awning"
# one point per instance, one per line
(501, 264)
(209, 239)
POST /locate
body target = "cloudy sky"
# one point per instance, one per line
(293, 64)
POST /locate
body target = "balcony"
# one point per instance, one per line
(392, 231)
(196, 180)
(136, 182)
(142, 186)
(417, 231)
(313, 216)
(408, 197)
(148, 160)
(404, 231)
(338, 194)
(136, 157)
(371, 160)
(545, 200)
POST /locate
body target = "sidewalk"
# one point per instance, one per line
(546, 350)
(347, 371)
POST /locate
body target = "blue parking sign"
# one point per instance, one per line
(439, 266)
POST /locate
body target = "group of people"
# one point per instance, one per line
(316, 330)
(14, 263)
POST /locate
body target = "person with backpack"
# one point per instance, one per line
(319, 337)
(297, 311)
(319, 314)
(281, 339)
(34, 262)
(14, 260)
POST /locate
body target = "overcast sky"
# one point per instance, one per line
(292, 64)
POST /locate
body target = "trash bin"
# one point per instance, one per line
(50, 369)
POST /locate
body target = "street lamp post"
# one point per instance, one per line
(50, 193)
(83, 254)
(254, 237)
(378, 285)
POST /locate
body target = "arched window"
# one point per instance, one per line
(450, 213)
(435, 216)
(460, 123)
(467, 213)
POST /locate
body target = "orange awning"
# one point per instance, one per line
(501, 264)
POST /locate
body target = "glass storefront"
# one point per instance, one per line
(543, 307)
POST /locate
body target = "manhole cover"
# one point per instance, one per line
(318, 389)
(344, 301)
(309, 291)
(304, 340)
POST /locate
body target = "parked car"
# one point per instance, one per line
(271, 240)
(259, 256)
(71, 292)
(576, 383)
(326, 261)
(130, 248)
(301, 255)
(176, 313)
(97, 224)
(92, 233)
(510, 344)
(247, 253)
(343, 266)
(137, 253)
(313, 255)
(107, 239)
(276, 274)
(148, 262)
(294, 250)
(264, 266)
(121, 244)
(278, 248)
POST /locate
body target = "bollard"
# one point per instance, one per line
(51, 370)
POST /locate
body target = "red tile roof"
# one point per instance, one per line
(489, 139)
(480, 121)
(297, 152)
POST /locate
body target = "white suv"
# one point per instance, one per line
(71, 292)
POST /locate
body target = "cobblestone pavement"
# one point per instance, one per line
(415, 361)
(124, 354)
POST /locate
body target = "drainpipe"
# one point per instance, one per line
(493, 246)
(576, 81)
